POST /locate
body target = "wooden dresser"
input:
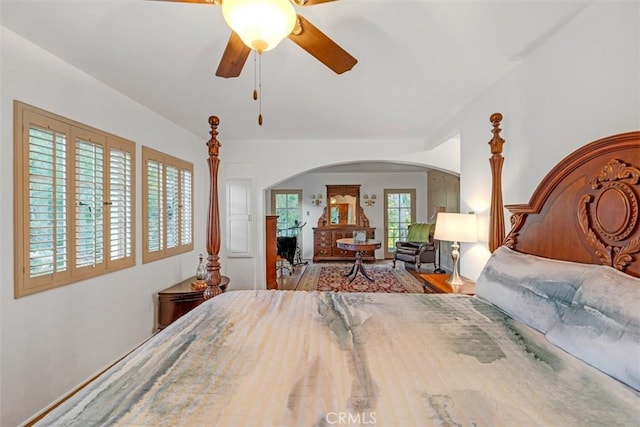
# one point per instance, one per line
(339, 220)
(179, 299)
(325, 247)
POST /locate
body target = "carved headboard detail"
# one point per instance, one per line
(586, 209)
(613, 189)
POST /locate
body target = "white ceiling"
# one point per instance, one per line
(419, 62)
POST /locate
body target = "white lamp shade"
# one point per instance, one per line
(261, 24)
(456, 227)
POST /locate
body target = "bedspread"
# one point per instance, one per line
(279, 358)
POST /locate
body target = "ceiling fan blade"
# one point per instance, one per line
(233, 58)
(321, 47)
(310, 2)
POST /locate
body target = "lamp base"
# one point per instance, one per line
(456, 288)
(455, 281)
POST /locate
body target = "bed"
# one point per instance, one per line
(552, 337)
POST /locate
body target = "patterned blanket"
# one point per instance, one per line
(291, 358)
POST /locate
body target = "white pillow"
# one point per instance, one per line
(531, 289)
(602, 325)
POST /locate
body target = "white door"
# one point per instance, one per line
(239, 219)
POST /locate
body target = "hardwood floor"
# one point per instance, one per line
(288, 278)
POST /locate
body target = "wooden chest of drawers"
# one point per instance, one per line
(326, 249)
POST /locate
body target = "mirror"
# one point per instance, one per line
(343, 209)
(344, 203)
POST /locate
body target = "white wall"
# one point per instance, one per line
(579, 86)
(52, 341)
(370, 183)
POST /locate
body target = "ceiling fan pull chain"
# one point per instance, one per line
(260, 90)
(255, 92)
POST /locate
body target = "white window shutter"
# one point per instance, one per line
(120, 205)
(47, 201)
(89, 193)
(172, 202)
(186, 207)
(239, 219)
(155, 209)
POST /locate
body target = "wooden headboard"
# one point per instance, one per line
(586, 209)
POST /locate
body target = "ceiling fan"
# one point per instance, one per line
(247, 33)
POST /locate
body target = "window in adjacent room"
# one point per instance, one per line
(287, 204)
(167, 205)
(400, 211)
(74, 201)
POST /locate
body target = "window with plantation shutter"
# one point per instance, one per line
(167, 204)
(74, 201)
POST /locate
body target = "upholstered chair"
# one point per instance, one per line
(419, 248)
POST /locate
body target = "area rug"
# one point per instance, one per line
(331, 277)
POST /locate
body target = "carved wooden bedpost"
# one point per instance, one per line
(213, 225)
(496, 225)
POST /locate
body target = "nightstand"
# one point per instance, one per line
(436, 284)
(179, 299)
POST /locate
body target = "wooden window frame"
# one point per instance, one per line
(185, 234)
(26, 119)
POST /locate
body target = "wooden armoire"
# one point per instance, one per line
(271, 250)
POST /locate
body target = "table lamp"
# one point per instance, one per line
(456, 228)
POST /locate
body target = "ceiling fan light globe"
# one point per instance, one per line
(261, 24)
